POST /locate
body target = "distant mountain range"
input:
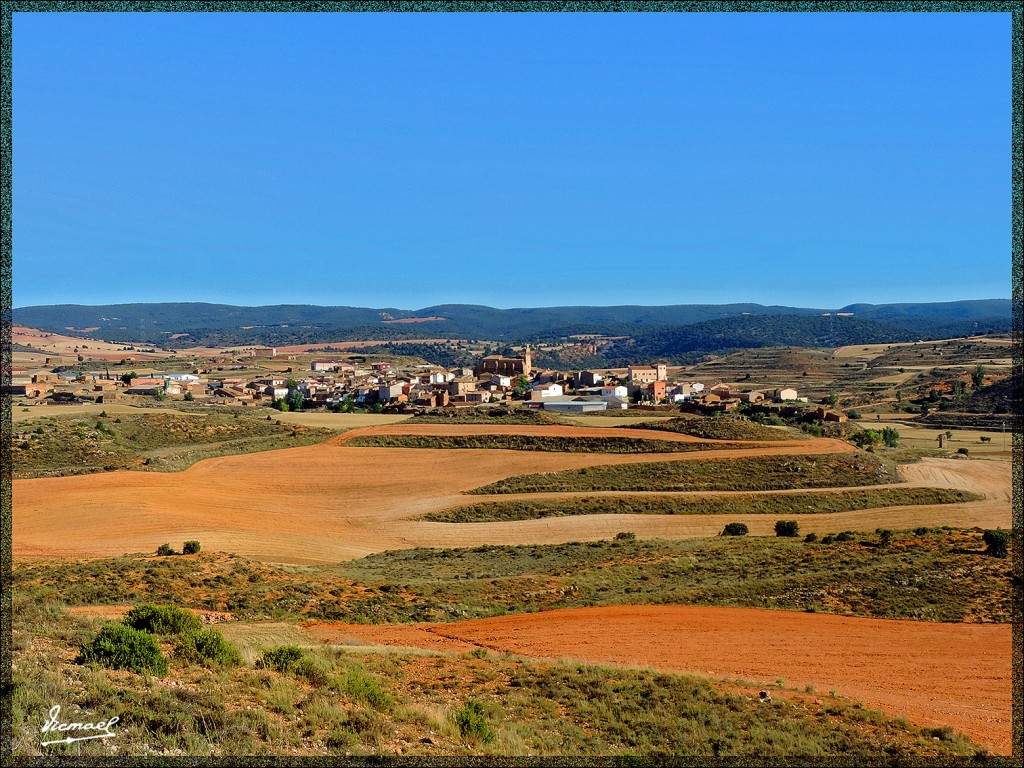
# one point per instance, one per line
(663, 331)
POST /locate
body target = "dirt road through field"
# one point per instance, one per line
(934, 674)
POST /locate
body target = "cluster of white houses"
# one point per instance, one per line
(496, 379)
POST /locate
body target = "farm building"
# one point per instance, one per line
(324, 365)
(548, 390)
(575, 405)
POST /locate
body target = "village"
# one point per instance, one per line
(351, 383)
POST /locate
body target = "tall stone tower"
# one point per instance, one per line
(527, 361)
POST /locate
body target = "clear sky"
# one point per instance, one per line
(513, 160)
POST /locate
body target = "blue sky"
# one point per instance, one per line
(511, 159)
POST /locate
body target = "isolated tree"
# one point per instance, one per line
(997, 542)
(521, 383)
(978, 377)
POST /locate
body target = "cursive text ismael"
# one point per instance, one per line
(101, 729)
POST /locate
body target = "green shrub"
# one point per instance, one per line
(309, 670)
(625, 536)
(162, 620)
(828, 538)
(190, 548)
(735, 529)
(363, 687)
(283, 658)
(997, 542)
(787, 528)
(884, 536)
(207, 645)
(164, 549)
(473, 723)
(367, 723)
(810, 538)
(119, 646)
(963, 451)
(845, 536)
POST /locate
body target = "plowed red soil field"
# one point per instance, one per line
(933, 674)
(333, 502)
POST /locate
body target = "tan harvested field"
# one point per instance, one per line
(37, 410)
(871, 351)
(958, 674)
(338, 420)
(59, 344)
(913, 436)
(252, 639)
(897, 378)
(331, 502)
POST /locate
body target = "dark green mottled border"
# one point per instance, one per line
(1016, 7)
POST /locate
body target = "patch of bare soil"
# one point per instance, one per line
(934, 674)
(325, 503)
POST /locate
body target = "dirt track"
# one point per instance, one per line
(958, 674)
(326, 503)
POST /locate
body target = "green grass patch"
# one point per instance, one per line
(759, 473)
(812, 502)
(536, 443)
(719, 428)
(929, 574)
(486, 415)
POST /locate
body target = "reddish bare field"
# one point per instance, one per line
(957, 675)
(330, 502)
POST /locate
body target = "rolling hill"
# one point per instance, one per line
(651, 330)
